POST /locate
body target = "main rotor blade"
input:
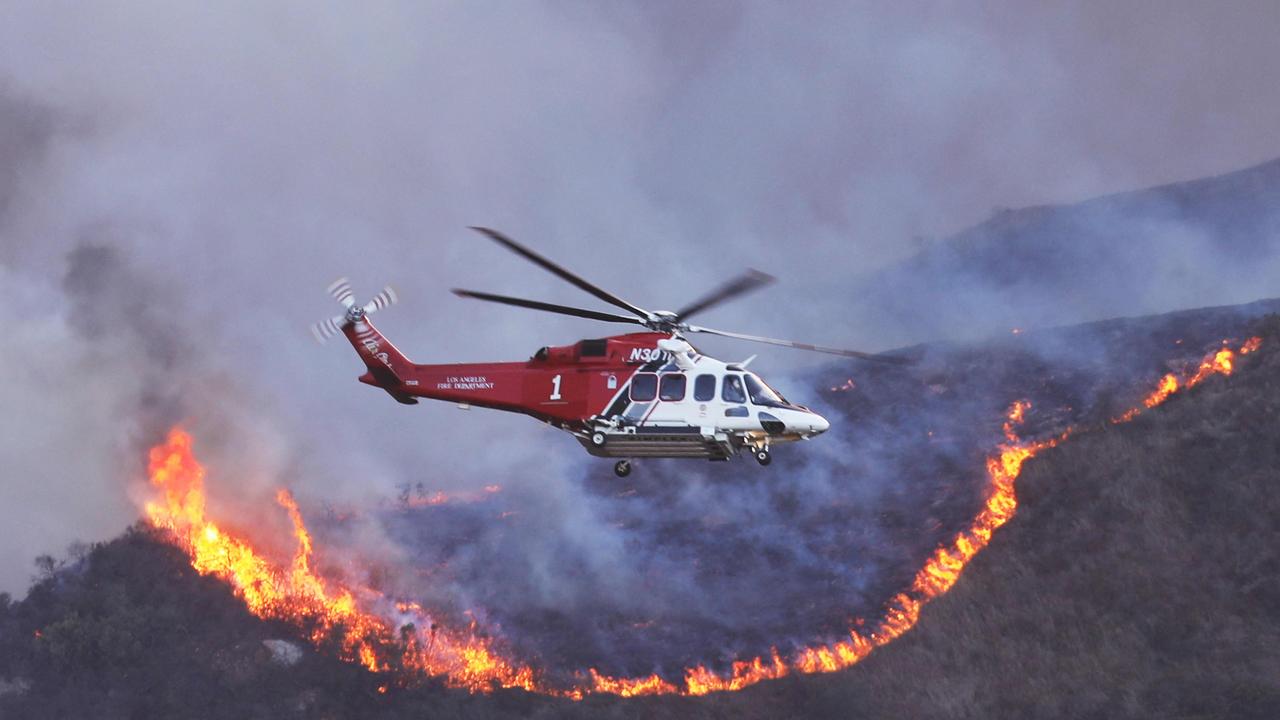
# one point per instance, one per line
(805, 346)
(548, 307)
(748, 281)
(560, 272)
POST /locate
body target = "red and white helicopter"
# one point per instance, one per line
(639, 395)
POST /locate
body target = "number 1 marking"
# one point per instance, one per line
(555, 388)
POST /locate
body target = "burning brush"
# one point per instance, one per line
(404, 641)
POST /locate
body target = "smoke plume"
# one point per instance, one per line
(178, 186)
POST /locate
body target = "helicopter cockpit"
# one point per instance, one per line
(763, 395)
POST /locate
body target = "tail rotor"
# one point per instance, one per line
(341, 291)
(383, 299)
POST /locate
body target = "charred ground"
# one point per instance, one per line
(1139, 577)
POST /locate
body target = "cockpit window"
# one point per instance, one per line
(762, 394)
(732, 391)
(541, 354)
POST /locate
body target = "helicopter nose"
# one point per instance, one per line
(819, 424)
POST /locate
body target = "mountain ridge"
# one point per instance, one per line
(1209, 241)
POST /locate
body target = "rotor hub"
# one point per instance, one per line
(664, 321)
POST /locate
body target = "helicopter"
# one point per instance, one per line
(644, 394)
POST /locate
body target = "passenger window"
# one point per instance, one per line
(704, 388)
(644, 387)
(732, 390)
(673, 386)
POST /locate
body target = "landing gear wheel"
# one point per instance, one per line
(622, 468)
(598, 439)
(763, 457)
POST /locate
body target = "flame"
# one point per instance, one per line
(1218, 362)
(440, 497)
(334, 611)
(297, 594)
(938, 575)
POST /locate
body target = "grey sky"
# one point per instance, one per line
(241, 156)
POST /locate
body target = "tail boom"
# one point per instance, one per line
(492, 385)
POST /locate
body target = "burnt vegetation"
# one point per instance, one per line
(1139, 578)
(726, 561)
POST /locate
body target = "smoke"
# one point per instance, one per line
(688, 563)
(1209, 242)
(178, 186)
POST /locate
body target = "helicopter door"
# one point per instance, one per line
(733, 391)
(734, 396)
(704, 395)
(704, 388)
(672, 387)
(671, 409)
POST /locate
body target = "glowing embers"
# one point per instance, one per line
(418, 497)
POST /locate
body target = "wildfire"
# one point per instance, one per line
(333, 611)
(939, 573)
(422, 498)
(1218, 362)
(330, 610)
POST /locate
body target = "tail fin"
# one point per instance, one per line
(387, 364)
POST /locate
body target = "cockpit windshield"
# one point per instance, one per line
(762, 394)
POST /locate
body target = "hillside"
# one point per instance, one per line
(1132, 253)
(1139, 578)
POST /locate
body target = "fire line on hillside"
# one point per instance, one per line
(402, 640)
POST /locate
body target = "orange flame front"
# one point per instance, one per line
(299, 595)
(465, 660)
(1218, 362)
